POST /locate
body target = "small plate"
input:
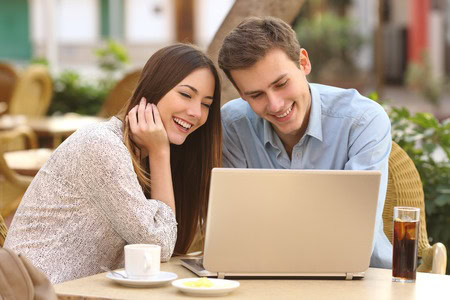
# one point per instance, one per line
(220, 287)
(160, 279)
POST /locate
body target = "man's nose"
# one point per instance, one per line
(275, 103)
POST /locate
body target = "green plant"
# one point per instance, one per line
(112, 57)
(39, 61)
(427, 142)
(331, 42)
(73, 94)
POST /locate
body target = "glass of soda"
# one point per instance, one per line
(406, 235)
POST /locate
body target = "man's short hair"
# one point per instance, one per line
(250, 41)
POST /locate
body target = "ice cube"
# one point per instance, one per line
(407, 219)
(399, 230)
(411, 230)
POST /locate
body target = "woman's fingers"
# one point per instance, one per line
(149, 114)
(156, 115)
(142, 122)
(133, 119)
(142, 116)
(147, 127)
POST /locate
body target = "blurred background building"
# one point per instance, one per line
(66, 32)
(394, 35)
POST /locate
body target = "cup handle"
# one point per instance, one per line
(147, 261)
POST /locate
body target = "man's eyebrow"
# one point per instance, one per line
(195, 90)
(272, 83)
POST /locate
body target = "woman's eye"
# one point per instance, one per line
(185, 95)
(208, 106)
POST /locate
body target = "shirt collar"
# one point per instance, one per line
(269, 134)
(314, 128)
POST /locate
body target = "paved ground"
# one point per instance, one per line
(402, 96)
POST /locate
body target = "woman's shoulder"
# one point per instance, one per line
(98, 135)
(97, 141)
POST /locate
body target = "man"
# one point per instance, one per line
(283, 122)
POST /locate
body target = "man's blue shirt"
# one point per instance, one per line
(346, 131)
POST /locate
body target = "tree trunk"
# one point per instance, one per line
(286, 10)
(184, 24)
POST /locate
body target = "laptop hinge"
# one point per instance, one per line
(348, 276)
(221, 275)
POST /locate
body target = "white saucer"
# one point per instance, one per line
(220, 287)
(160, 279)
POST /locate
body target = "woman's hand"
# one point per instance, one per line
(148, 132)
(147, 128)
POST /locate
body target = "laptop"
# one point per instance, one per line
(289, 223)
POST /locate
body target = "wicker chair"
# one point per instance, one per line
(12, 184)
(3, 231)
(8, 80)
(33, 92)
(405, 189)
(119, 95)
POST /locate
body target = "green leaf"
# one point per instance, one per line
(429, 147)
(373, 96)
(442, 200)
(425, 120)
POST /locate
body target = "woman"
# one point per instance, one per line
(131, 179)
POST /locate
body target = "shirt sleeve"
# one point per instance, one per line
(370, 146)
(116, 192)
(232, 153)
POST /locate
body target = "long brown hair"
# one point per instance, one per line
(191, 162)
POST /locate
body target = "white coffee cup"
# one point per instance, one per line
(142, 261)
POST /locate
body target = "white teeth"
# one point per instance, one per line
(182, 123)
(286, 113)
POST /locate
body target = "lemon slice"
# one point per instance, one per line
(201, 283)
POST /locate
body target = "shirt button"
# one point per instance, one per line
(297, 155)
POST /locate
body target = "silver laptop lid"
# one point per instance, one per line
(290, 222)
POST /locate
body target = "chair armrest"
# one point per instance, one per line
(6, 137)
(434, 259)
(10, 175)
(20, 131)
(3, 231)
(3, 108)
